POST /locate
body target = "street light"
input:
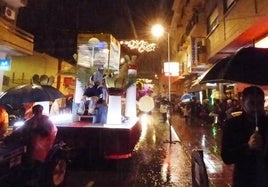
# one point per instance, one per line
(170, 68)
(158, 31)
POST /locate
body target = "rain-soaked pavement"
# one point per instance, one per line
(156, 161)
(208, 138)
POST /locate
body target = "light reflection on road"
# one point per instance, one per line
(144, 126)
(208, 138)
(153, 163)
(160, 163)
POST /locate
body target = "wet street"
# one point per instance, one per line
(156, 161)
(208, 138)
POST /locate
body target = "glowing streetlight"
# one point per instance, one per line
(158, 31)
(169, 67)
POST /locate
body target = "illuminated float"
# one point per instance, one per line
(116, 138)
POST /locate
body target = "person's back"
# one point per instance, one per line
(38, 134)
(163, 110)
(43, 138)
(187, 113)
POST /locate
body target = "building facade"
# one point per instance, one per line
(205, 31)
(17, 48)
(13, 40)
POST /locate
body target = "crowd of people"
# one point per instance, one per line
(245, 136)
(208, 113)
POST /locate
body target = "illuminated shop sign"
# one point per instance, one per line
(5, 64)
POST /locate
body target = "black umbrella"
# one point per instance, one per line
(215, 73)
(29, 93)
(248, 65)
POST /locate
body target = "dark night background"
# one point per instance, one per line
(56, 23)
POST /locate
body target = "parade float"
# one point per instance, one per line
(116, 136)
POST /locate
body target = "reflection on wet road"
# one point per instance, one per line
(157, 163)
(207, 138)
(153, 163)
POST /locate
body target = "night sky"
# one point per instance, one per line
(56, 23)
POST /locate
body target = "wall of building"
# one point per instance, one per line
(234, 22)
(24, 67)
(234, 30)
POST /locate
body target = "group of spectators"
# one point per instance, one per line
(208, 113)
(244, 136)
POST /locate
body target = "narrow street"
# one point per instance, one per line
(156, 161)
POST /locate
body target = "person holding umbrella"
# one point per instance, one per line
(245, 139)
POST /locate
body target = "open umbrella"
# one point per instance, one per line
(214, 74)
(248, 65)
(29, 93)
(186, 97)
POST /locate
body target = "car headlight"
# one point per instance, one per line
(18, 124)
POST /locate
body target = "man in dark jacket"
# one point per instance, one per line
(244, 141)
(93, 93)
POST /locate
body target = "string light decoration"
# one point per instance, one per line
(139, 45)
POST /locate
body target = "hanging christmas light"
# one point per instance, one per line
(139, 45)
